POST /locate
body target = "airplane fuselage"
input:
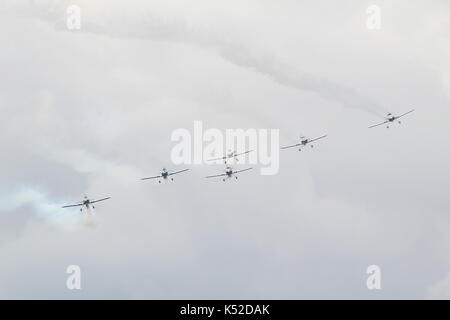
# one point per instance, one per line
(87, 203)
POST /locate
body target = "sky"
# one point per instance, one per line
(91, 111)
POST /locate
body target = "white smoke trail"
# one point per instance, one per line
(89, 218)
(39, 206)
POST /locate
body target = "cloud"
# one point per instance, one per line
(92, 112)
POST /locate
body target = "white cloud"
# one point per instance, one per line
(91, 112)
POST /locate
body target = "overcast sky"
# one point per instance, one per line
(91, 111)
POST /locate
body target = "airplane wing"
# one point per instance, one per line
(317, 138)
(217, 175)
(73, 205)
(176, 172)
(215, 159)
(405, 113)
(100, 200)
(155, 177)
(240, 154)
(234, 172)
(379, 124)
(294, 145)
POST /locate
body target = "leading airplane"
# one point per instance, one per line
(391, 118)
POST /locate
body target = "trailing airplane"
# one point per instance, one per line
(86, 203)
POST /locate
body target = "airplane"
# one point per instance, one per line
(86, 203)
(231, 154)
(228, 173)
(391, 118)
(303, 142)
(165, 175)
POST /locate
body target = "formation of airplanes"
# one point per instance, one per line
(229, 172)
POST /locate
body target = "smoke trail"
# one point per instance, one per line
(291, 77)
(39, 205)
(243, 56)
(89, 218)
(171, 29)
